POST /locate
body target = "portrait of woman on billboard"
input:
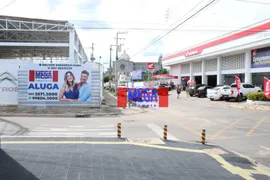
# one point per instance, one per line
(69, 91)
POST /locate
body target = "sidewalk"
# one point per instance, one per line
(117, 159)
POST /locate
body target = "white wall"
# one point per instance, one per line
(9, 81)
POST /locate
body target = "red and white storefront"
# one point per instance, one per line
(217, 61)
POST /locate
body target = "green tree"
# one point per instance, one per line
(162, 71)
(106, 78)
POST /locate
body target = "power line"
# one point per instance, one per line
(160, 35)
(256, 2)
(8, 5)
(176, 26)
(156, 29)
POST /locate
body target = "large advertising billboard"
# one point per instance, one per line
(260, 58)
(59, 83)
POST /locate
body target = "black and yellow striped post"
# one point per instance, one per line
(203, 136)
(119, 130)
(165, 132)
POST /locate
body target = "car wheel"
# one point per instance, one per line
(211, 99)
(227, 99)
(259, 91)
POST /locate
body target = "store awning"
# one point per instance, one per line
(164, 76)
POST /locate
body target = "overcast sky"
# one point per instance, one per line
(138, 17)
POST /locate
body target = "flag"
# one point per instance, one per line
(238, 84)
(267, 88)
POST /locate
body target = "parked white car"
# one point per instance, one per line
(232, 93)
(215, 93)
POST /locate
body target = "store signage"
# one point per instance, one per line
(59, 83)
(142, 95)
(260, 58)
(192, 53)
(150, 66)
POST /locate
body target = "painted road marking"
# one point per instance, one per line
(108, 134)
(107, 126)
(50, 133)
(227, 127)
(254, 127)
(76, 126)
(265, 148)
(159, 132)
(71, 130)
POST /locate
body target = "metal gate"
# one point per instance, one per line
(236, 61)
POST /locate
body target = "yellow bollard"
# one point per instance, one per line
(165, 132)
(119, 130)
(203, 136)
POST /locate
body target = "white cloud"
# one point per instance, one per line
(220, 18)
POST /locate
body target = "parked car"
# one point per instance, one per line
(215, 93)
(232, 93)
(202, 91)
(193, 89)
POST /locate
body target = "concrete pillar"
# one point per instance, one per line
(191, 71)
(204, 78)
(248, 75)
(71, 47)
(180, 72)
(220, 79)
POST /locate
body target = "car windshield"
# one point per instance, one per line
(217, 88)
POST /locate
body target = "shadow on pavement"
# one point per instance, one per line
(11, 169)
(11, 128)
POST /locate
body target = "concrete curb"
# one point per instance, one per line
(85, 115)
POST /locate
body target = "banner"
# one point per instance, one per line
(267, 88)
(136, 75)
(238, 84)
(59, 83)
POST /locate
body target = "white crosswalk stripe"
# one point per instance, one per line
(108, 130)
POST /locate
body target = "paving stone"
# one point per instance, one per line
(95, 162)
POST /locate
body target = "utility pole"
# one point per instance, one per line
(92, 58)
(111, 64)
(116, 57)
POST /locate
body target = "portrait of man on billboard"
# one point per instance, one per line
(84, 87)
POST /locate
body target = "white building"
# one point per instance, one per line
(245, 53)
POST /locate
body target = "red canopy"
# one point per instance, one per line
(164, 76)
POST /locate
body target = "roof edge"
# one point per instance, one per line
(219, 37)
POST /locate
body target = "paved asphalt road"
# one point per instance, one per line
(244, 131)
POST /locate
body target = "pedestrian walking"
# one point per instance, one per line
(179, 89)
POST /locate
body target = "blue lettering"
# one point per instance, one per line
(55, 86)
(137, 96)
(147, 95)
(43, 86)
(31, 86)
(132, 96)
(154, 95)
(140, 91)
